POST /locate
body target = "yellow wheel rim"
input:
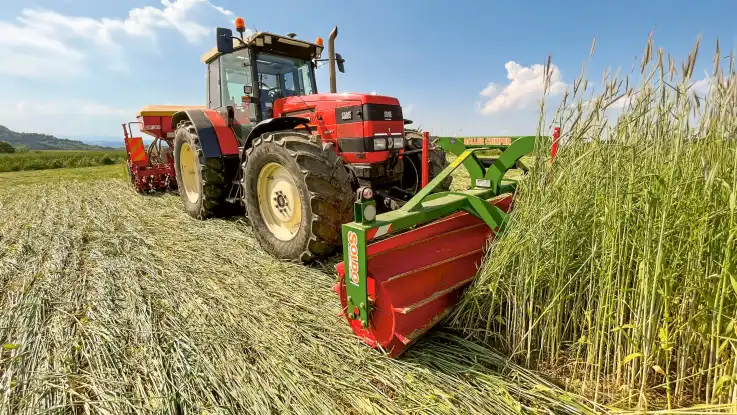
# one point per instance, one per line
(190, 172)
(279, 201)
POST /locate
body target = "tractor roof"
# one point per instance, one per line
(270, 42)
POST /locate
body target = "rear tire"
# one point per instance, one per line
(297, 193)
(200, 180)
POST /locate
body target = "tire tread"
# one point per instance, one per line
(327, 182)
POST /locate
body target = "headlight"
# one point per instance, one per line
(398, 142)
(369, 212)
(379, 143)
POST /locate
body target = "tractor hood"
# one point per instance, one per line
(365, 128)
(342, 108)
(346, 114)
(291, 103)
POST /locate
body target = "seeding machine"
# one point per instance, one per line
(313, 170)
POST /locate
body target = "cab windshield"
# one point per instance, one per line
(280, 76)
(276, 77)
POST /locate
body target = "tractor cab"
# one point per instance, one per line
(247, 75)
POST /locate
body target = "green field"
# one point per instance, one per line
(57, 159)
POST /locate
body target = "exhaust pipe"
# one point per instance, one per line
(331, 60)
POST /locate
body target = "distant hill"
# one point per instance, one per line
(35, 141)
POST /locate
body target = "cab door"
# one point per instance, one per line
(230, 85)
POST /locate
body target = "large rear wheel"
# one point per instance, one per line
(297, 195)
(201, 181)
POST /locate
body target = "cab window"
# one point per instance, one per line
(235, 74)
(284, 76)
(214, 99)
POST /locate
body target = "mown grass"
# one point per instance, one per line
(618, 273)
(57, 159)
(112, 302)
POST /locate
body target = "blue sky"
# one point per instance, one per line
(82, 67)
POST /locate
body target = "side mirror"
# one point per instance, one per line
(224, 40)
(340, 61)
(247, 89)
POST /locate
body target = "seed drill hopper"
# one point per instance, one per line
(151, 167)
(404, 270)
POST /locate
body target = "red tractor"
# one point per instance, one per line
(269, 144)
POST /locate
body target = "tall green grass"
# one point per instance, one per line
(57, 159)
(618, 272)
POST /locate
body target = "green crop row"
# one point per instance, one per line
(43, 160)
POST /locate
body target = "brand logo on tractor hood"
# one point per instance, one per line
(353, 256)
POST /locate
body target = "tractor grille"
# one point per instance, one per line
(361, 145)
(368, 112)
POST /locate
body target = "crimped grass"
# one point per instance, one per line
(618, 273)
(115, 303)
(57, 159)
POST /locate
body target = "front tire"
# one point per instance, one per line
(297, 194)
(200, 181)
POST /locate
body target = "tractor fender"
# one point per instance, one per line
(216, 138)
(275, 124)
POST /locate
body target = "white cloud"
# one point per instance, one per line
(41, 39)
(623, 102)
(73, 117)
(222, 10)
(702, 86)
(525, 87)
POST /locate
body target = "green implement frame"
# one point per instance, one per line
(428, 205)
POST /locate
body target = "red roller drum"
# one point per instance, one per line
(417, 277)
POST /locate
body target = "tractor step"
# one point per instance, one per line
(234, 194)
